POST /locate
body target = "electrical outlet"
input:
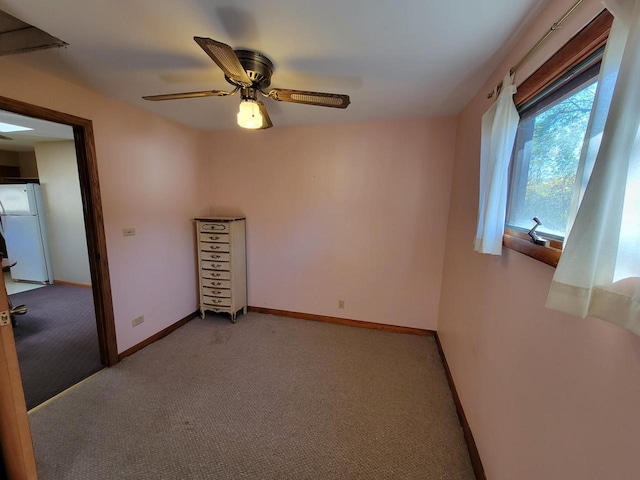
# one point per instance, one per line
(340, 303)
(137, 321)
(128, 232)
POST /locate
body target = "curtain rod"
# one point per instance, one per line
(553, 28)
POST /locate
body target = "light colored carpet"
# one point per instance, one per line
(265, 398)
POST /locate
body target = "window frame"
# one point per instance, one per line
(581, 46)
(576, 79)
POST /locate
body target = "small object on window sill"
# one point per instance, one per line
(534, 236)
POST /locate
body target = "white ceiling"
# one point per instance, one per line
(41, 131)
(395, 58)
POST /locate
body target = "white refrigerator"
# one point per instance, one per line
(23, 227)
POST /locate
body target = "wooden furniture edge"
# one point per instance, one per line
(548, 255)
(344, 321)
(157, 336)
(474, 455)
(71, 284)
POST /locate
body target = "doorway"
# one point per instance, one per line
(15, 438)
(93, 218)
(46, 255)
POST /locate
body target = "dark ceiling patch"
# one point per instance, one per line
(17, 36)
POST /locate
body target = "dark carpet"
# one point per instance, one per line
(57, 340)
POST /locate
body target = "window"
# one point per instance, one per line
(554, 105)
(547, 150)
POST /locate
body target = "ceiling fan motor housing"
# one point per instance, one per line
(258, 67)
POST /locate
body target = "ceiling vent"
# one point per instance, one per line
(17, 36)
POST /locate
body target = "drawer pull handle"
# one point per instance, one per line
(216, 275)
(217, 301)
(215, 256)
(215, 247)
(214, 238)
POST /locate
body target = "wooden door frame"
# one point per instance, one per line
(93, 218)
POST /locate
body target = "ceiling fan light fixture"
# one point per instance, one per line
(250, 74)
(249, 115)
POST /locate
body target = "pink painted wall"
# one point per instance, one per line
(548, 396)
(152, 177)
(356, 212)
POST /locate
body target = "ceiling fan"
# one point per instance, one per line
(4, 137)
(250, 73)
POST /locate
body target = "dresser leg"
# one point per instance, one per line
(244, 310)
(202, 314)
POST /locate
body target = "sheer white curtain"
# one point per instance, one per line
(599, 271)
(499, 126)
(604, 94)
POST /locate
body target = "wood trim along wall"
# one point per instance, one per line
(161, 334)
(96, 241)
(344, 321)
(71, 284)
(476, 462)
(583, 44)
(93, 218)
(520, 242)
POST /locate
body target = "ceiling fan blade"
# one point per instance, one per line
(226, 59)
(176, 96)
(3, 137)
(310, 98)
(265, 116)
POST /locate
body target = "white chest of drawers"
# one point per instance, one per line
(222, 265)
